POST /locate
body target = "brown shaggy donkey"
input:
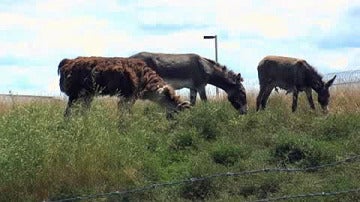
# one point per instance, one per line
(129, 79)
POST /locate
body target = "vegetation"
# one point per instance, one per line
(46, 157)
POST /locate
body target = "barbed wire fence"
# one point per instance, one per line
(310, 195)
(351, 159)
(344, 77)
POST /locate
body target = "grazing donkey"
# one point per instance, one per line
(84, 77)
(294, 75)
(194, 72)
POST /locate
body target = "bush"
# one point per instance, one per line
(302, 151)
(260, 191)
(227, 156)
(199, 190)
(182, 141)
(336, 127)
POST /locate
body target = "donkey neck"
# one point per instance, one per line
(316, 83)
(313, 79)
(220, 80)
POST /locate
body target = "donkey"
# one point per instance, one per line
(294, 75)
(194, 72)
(83, 78)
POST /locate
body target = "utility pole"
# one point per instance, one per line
(216, 54)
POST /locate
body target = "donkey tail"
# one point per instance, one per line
(61, 64)
(62, 76)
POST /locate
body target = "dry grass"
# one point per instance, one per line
(44, 156)
(342, 99)
(346, 98)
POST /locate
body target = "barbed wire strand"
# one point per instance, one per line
(346, 83)
(309, 195)
(209, 177)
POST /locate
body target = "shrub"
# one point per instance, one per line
(227, 155)
(301, 151)
(182, 141)
(199, 190)
(336, 127)
(260, 191)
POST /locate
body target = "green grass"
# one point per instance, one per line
(46, 157)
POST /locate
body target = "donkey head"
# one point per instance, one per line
(323, 93)
(183, 105)
(166, 97)
(237, 95)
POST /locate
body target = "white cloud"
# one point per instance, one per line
(24, 80)
(86, 35)
(280, 19)
(335, 60)
(15, 21)
(248, 30)
(340, 62)
(186, 12)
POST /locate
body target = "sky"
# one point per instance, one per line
(36, 35)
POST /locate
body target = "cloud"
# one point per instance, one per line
(27, 80)
(83, 34)
(8, 60)
(278, 19)
(185, 14)
(166, 28)
(345, 33)
(38, 34)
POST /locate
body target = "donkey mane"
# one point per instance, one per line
(314, 74)
(230, 74)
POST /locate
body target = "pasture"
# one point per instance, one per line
(46, 157)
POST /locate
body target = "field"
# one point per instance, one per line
(46, 157)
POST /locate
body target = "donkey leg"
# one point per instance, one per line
(295, 99)
(70, 103)
(85, 103)
(265, 97)
(309, 97)
(202, 93)
(125, 104)
(259, 98)
(193, 93)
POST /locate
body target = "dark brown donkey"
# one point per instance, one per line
(194, 72)
(129, 79)
(294, 75)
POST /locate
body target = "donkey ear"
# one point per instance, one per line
(330, 82)
(239, 78)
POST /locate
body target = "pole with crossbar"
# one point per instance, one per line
(216, 54)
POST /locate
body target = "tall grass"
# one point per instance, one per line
(46, 157)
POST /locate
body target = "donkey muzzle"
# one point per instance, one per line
(243, 109)
(325, 109)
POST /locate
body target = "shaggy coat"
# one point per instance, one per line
(195, 72)
(84, 77)
(294, 75)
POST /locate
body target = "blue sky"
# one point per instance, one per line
(36, 35)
